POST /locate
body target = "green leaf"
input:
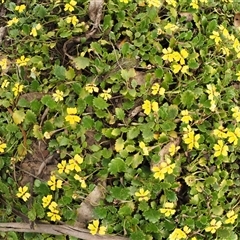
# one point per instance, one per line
(187, 98)
(133, 132)
(59, 72)
(70, 74)
(130, 148)
(127, 74)
(49, 102)
(223, 234)
(12, 128)
(23, 103)
(137, 235)
(37, 133)
(12, 236)
(159, 72)
(193, 64)
(126, 210)
(217, 210)
(100, 212)
(152, 215)
(32, 214)
(120, 193)
(135, 160)
(81, 62)
(87, 122)
(100, 103)
(171, 195)
(37, 61)
(172, 112)
(168, 126)
(30, 117)
(119, 144)
(40, 212)
(119, 113)
(18, 116)
(40, 11)
(116, 165)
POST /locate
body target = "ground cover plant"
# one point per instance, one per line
(121, 117)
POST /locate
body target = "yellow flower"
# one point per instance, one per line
(148, 106)
(173, 149)
(74, 163)
(168, 209)
(58, 96)
(216, 37)
(12, 21)
(20, 8)
(54, 212)
(177, 234)
(94, 228)
(157, 90)
(73, 20)
(23, 193)
(232, 138)
(186, 229)
(124, 1)
(194, 4)
(154, 3)
(102, 230)
(165, 167)
(225, 51)
(91, 87)
(62, 167)
(54, 216)
(18, 88)
(142, 195)
(220, 132)
(46, 200)
(34, 30)
(238, 75)
(3, 63)
(2, 147)
(186, 117)
(220, 149)
(236, 113)
(144, 148)
(5, 84)
(214, 225)
(71, 117)
(172, 2)
(171, 27)
(22, 61)
(211, 90)
(70, 6)
(191, 140)
(47, 135)
(54, 183)
(168, 54)
(231, 217)
(178, 67)
(106, 94)
(81, 180)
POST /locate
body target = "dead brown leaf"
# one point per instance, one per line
(187, 15)
(85, 211)
(236, 21)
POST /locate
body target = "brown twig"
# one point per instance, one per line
(56, 230)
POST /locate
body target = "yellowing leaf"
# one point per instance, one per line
(119, 145)
(22, 151)
(18, 116)
(37, 133)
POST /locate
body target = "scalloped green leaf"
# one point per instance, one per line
(18, 116)
(117, 165)
(81, 62)
(100, 103)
